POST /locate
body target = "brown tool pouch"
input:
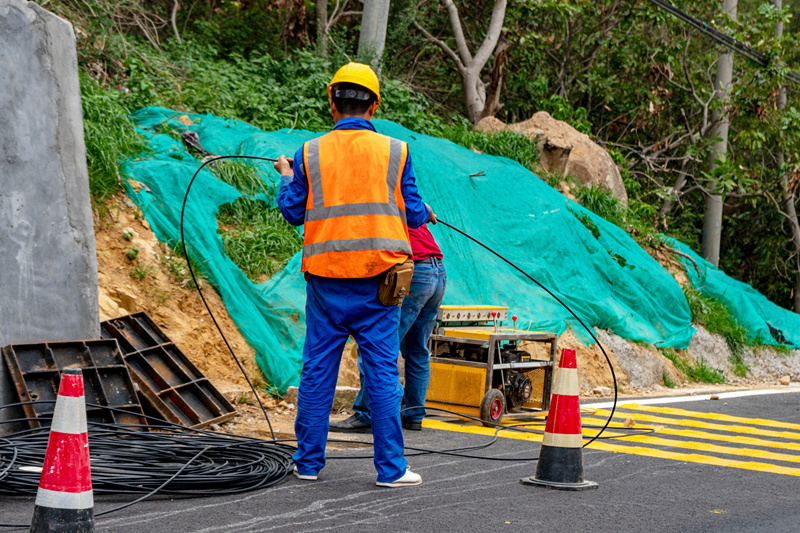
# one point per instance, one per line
(396, 283)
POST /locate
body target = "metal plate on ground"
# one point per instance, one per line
(35, 370)
(170, 386)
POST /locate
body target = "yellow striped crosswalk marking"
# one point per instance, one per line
(751, 430)
(711, 416)
(733, 439)
(736, 442)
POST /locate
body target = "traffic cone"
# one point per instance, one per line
(64, 502)
(560, 463)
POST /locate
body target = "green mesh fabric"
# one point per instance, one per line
(764, 321)
(609, 281)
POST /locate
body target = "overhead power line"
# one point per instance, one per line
(725, 40)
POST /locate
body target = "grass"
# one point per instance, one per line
(179, 269)
(509, 144)
(588, 222)
(716, 318)
(256, 237)
(699, 372)
(140, 271)
(668, 380)
(109, 137)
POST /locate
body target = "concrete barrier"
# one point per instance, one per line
(48, 266)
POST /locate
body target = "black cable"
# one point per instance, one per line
(723, 39)
(548, 291)
(148, 459)
(197, 285)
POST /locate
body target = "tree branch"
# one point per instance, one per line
(175, 7)
(492, 35)
(458, 32)
(443, 45)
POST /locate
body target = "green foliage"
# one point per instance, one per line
(109, 136)
(507, 144)
(699, 372)
(140, 271)
(668, 380)
(588, 222)
(560, 109)
(256, 237)
(601, 202)
(132, 252)
(629, 74)
(716, 318)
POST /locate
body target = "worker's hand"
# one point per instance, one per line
(283, 166)
(432, 216)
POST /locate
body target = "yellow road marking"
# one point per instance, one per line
(738, 425)
(733, 439)
(712, 416)
(632, 450)
(705, 425)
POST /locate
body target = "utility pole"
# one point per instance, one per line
(712, 220)
(791, 212)
(372, 39)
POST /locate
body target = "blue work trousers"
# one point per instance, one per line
(417, 318)
(335, 309)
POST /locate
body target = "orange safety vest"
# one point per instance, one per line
(355, 223)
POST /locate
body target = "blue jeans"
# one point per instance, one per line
(417, 318)
(336, 309)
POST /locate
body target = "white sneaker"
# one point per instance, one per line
(409, 479)
(304, 477)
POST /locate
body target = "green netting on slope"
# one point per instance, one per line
(764, 321)
(609, 281)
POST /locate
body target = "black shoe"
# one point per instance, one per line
(351, 425)
(413, 425)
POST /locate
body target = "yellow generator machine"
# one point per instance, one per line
(479, 369)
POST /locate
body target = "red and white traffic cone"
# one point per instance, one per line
(560, 463)
(64, 503)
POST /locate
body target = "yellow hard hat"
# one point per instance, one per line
(359, 74)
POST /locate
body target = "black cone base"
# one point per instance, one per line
(50, 520)
(560, 468)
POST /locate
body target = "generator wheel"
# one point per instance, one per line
(493, 406)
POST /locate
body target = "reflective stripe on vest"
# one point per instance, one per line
(359, 229)
(321, 212)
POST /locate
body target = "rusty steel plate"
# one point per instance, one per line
(35, 370)
(170, 386)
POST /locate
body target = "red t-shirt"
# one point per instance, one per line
(422, 244)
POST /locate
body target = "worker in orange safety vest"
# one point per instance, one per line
(355, 192)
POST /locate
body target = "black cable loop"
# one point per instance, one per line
(197, 285)
(548, 291)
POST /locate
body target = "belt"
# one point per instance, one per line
(426, 260)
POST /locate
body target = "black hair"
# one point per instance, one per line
(349, 98)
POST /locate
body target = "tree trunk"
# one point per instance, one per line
(470, 67)
(474, 95)
(712, 219)
(372, 38)
(791, 212)
(322, 27)
(493, 104)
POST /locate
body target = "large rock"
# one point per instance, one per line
(48, 265)
(565, 151)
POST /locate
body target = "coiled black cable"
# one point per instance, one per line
(158, 458)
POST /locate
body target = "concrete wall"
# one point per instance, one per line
(48, 266)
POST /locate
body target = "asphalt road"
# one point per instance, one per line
(708, 467)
